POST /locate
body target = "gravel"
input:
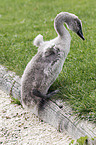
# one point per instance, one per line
(20, 127)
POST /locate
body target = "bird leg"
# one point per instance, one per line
(43, 96)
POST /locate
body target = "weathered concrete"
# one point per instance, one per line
(51, 113)
(10, 83)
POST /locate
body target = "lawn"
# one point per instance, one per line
(22, 20)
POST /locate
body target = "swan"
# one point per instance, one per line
(45, 66)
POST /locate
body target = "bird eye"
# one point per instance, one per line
(79, 25)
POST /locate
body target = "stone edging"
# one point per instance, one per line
(62, 121)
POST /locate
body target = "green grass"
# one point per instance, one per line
(80, 141)
(22, 20)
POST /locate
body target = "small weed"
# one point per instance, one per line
(15, 101)
(80, 141)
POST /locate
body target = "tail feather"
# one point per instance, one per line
(38, 40)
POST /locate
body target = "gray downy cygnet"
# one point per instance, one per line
(45, 66)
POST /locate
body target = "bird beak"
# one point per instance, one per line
(80, 34)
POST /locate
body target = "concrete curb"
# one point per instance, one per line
(51, 113)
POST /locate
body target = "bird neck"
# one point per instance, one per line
(59, 24)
